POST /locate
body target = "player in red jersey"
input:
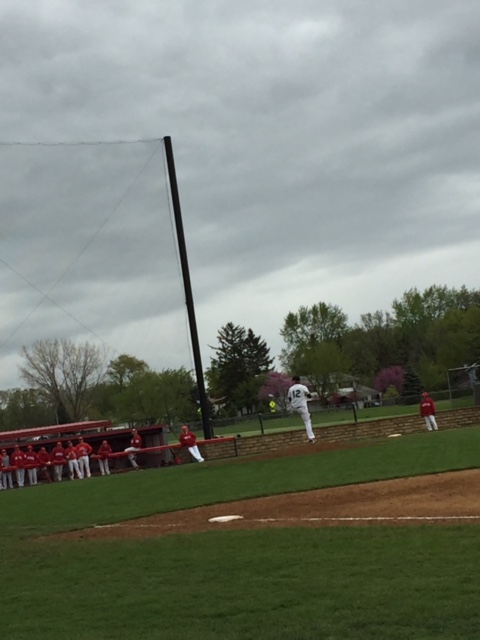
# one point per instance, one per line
(58, 459)
(72, 460)
(427, 411)
(135, 446)
(83, 451)
(17, 459)
(31, 465)
(189, 440)
(103, 453)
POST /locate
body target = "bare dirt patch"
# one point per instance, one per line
(447, 498)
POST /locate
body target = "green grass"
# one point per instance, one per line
(278, 584)
(324, 418)
(283, 584)
(78, 504)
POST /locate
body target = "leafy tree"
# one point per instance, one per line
(236, 371)
(391, 392)
(24, 409)
(324, 365)
(276, 385)
(432, 374)
(310, 326)
(416, 313)
(390, 377)
(415, 308)
(121, 370)
(373, 345)
(464, 299)
(164, 397)
(246, 393)
(456, 337)
(67, 373)
(357, 346)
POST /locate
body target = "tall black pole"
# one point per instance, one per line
(177, 212)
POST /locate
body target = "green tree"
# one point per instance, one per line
(25, 409)
(432, 375)
(324, 365)
(373, 345)
(121, 370)
(310, 326)
(163, 397)
(416, 313)
(236, 372)
(412, 386)
(456, 338)
(391, 392)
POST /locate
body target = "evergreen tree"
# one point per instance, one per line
(412, 387)
(63, 417)
(237, 372)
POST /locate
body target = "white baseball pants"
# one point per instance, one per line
(431, 423)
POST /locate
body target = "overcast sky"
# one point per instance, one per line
(324, 152)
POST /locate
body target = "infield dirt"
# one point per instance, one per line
(446, 498)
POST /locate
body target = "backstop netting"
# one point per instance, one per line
(463, 380)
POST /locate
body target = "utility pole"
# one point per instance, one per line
(177, 212)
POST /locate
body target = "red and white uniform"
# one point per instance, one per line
(427, 411)
(72, 461)
(17, 459)
(58, 459)
(31, 458)
(136, 441)
(135, 446)
(44, 457)
(44, 462)
(83, 451)
(189, 440)
(103, 453)
(31, 465)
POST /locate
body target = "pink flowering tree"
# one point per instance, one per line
(276, 387)
(391, 376)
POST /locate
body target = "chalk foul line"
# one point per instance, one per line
(125, 525)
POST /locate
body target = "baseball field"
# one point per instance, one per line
(363, 542)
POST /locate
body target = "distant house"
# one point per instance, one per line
(363, 396)
(347, 391)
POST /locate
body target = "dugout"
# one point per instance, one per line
(94, 432)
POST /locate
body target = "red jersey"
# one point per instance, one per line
(17, 459)
(136, 441)
(104, 451)
(31, 459)
(83, 449)
(71, 453)
(44, 457)
(427, 407)
(58, 455)
(188, 439)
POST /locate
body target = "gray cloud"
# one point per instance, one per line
(342, 137)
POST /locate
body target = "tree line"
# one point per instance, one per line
(410, 347)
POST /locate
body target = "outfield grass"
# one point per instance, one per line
(292, 584)
(325, 418)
